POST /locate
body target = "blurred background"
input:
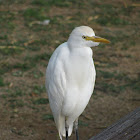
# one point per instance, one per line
(30, 30)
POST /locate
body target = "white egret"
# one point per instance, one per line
(70, 78)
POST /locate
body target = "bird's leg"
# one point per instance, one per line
(76, 129)
(66, 133)
(66, 128)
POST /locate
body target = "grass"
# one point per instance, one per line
(40, 101)
(8, 2)
(3, 96)
(39, 89)
(6, 16)
(8, 47)
(105, 85)
(37, 74)
(134, 84)
(82, 123)
(16, 93)
(4, 67)
(107, 20)
(110, 14)
(110, 89)
(46, 117)
(34, 14)
(14, 103)
(1, 82)
(119, 37)
(17, 73)
(25, 66)
(112, 64)
(33, 48)
(122, 80)
(29, 62)
(60, 3)
(105, 74)
(10, 51)
(114, 75)
(6, 20)
(40, 2)
(38, 57)
(3, 36)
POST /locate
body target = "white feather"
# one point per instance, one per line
(70, 79)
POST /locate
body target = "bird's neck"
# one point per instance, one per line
(81, 51)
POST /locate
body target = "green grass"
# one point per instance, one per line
(34, 14)
(112, 10)
(115, 75)
(13, 93)
(110, 89)
(29, 63)
(105, 85)
(39, 42)
(38, 57)
(3, 36)
(112, 64)
(41, 101)
(113, 22)
(4, 67)
(1, 82)
(3, 96)
(6, 16)
(113, 89)
(38, 28)
(9, 2)
(107, 20)
(48, 3)
(6, 21)
(16, 93)
(15, 48)
(37, 74)
(23, 66)
(127, 11)
(33, 48)
(40, 2)
(46, 117)
(10, 51)
(134, 84)
(14, 103)
(117, 38)
(39, 89)
(109, 14)
(17, 73)
(104, 64)
(105, 74)
(82, 123)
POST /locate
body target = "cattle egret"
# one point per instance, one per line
(70, 78)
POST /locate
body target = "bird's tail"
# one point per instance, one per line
(61, 127)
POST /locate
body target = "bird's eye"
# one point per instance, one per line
(83, 37)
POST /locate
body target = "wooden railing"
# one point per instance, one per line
(127, 128)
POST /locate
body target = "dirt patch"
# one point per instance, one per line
(25, 111)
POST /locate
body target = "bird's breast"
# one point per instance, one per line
(80, 76)
(80, 68)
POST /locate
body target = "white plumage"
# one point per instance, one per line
(70, 77)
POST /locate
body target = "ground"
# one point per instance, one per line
(25, 49)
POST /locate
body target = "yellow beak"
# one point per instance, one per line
(97, 39)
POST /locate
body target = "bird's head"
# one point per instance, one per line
(84, 36)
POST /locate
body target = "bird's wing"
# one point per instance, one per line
(55, 80)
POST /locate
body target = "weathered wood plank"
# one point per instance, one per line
(127, 128)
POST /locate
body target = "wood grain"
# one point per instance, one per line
(127, 128)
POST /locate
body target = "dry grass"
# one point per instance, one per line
(26, 49)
